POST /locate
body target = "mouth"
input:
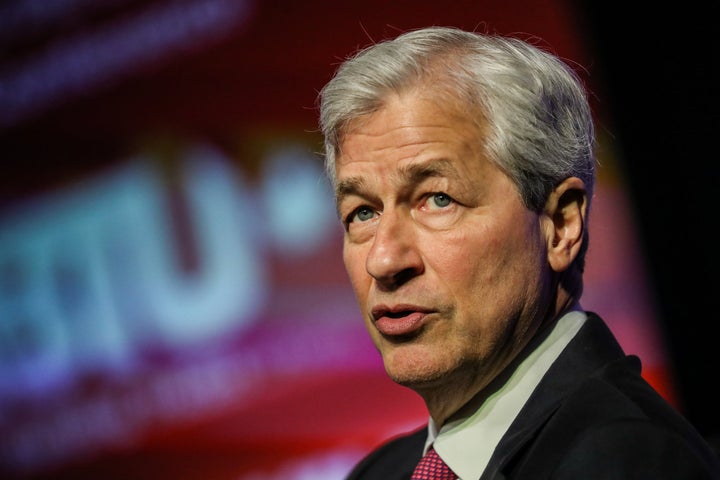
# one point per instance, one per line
(399, 320)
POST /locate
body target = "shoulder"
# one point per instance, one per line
(393, 460)
(639, 449)
(596, 417)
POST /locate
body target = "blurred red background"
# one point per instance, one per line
(172, 294)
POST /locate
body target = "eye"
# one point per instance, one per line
(439, 200)
(360, 214)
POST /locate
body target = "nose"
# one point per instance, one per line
(394, 257)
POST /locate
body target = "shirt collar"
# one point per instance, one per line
(466, 444)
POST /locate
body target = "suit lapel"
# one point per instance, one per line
(593, 346)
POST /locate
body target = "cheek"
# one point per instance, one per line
(492, 268)
(468, 257)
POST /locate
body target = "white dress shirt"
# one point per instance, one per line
(466, 444)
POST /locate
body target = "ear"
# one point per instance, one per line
(565, 210)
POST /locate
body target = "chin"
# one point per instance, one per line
(416, 372)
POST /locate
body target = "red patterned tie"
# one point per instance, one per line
(432, 467)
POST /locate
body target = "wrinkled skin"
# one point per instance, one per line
(452, 273)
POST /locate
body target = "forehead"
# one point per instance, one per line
(410, 127)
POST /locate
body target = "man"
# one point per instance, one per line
(463, 168)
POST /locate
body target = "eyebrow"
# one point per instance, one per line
(439, 167)
(412, 174)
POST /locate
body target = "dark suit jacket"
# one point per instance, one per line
(591, 417)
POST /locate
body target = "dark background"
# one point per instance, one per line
(660, 68)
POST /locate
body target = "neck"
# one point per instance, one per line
(470, 386)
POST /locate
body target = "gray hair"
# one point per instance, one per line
(538, 123)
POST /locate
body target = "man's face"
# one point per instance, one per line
(448, 266)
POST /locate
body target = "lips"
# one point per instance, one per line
(399, 319)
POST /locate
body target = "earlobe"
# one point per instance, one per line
(566, 207)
